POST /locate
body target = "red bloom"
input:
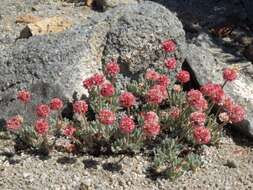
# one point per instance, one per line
(174, 112)
(196, 100)
(169, 46)
(228, 103)
(69, 131)
(151, 74)
(183, 76)
(126, 125)
(88, 83)
(151, 129)
(80, 107)
(224, 117)
(170, 63)
(214, 91)
(151, 117)
(112, 68)
(229, 74)
(98, 79)
(202, 135)
(163, 80)
(197, 119)
(107, 89)
(14, 123)
(106, 117)
(56, 104)
(42, 110)
(127, 99)
(41, 126)
(237, 114)
(24, 96)
(157, 94)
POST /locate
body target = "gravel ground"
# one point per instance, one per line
(229, 166)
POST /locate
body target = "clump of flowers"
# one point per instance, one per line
(153, 114)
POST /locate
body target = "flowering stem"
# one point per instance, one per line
(224, 83)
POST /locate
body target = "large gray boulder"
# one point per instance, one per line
(207, 68)
(55, 65)
(136, 34)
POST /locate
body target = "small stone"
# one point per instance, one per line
(231, 164)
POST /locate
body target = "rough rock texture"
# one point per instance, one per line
(207, 68)
(136, 34)
(63, 60)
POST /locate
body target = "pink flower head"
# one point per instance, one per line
(43, 110)
(237, 114)
(150, 117)
(175, 112)
(152, 75)
(24, 96)
(56, 104)
(106, 117)
(127, 99)
(196, 100)
(69, 131)
(126, 125)
(98, 79)
(151, 129)
(228, 103)
(80, 107)
(157, 94)
(14, 123)
(41, 126)
(214, 91)
(224, 117)
(177, 88)
(183, 76)
(197, 119)
(112, 68)
(170, 63)
(107, 89)
(230, 74)
(88, 83)
(202, 135)
(163, 80)
(169, 46)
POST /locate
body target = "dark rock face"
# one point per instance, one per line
(54, 65)
(136, 34)
(207, 68)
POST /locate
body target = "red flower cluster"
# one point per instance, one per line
(183, 76)
(69, 131)
(107, 89)
(174, 112)
(152, 75)
(126, 125)
(14, 123)
(202, 135)
(213, 91)
(157, 94)
(169, 46)
(163, 80)
(41, 126)
(24, 96)
(237, 114)
(112, 68)
(196, 100)
(56, 104)
(197, 119)
(170, 63)
(227, 102)
(95, 80)
(150, 117)
(106, 117)
(42, 110)
(229, 74)
(80, 107)
(127, 99)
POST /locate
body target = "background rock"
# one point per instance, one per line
(106, 4)
(136, 34)
(207, 68)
